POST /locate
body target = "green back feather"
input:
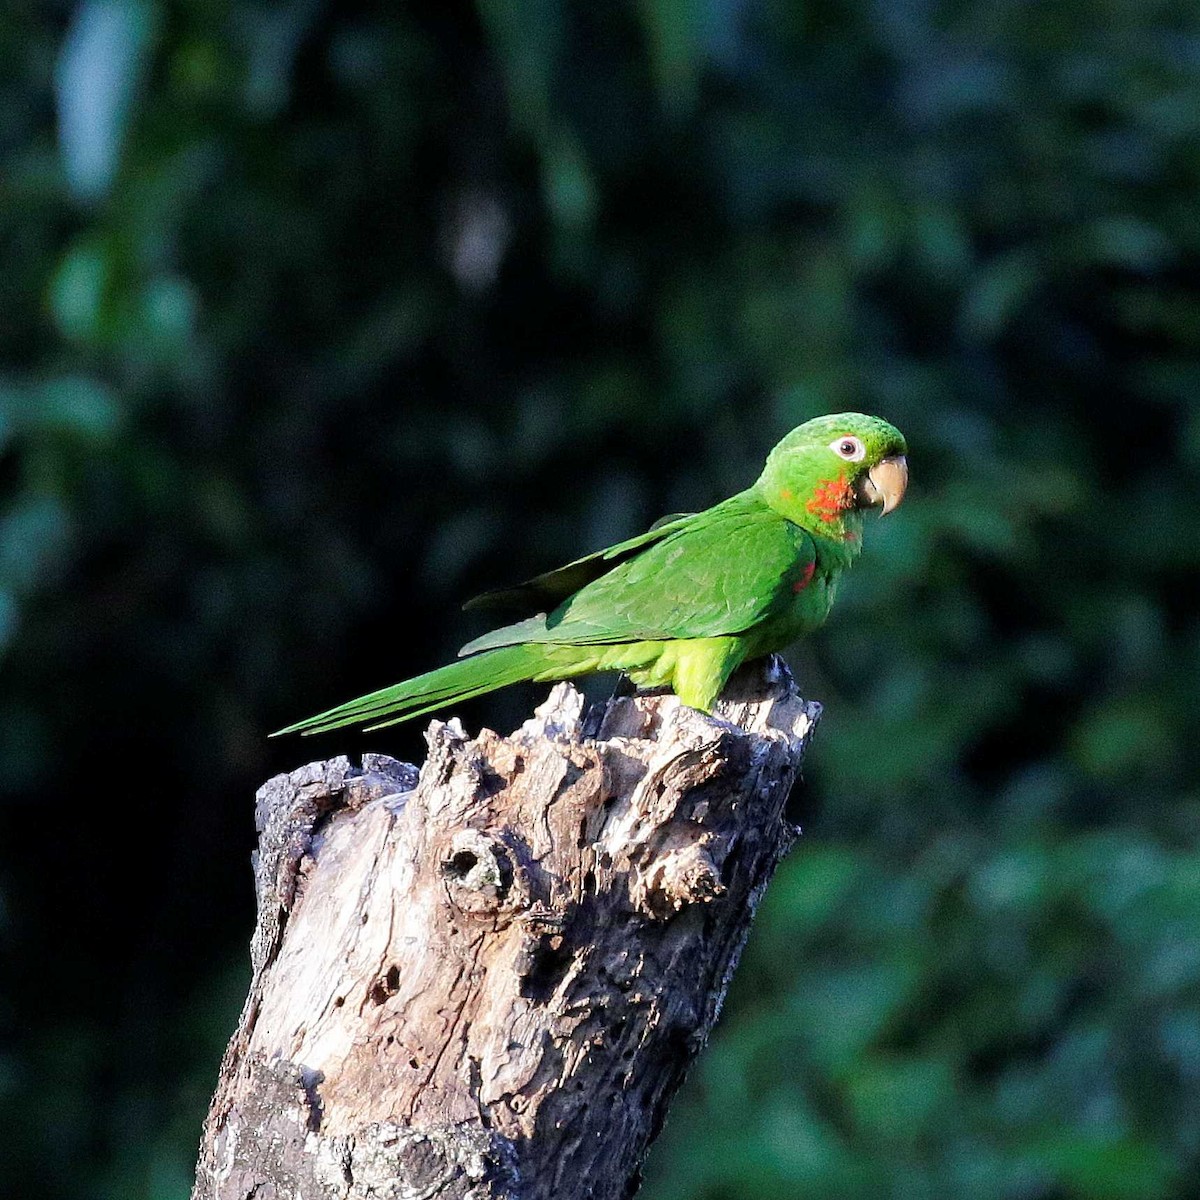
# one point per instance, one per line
(716, 573)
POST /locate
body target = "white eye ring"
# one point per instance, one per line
(849, 447)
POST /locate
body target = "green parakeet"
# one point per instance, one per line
(687, 602)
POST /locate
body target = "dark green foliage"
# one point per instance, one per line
(319, 318)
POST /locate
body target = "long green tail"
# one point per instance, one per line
(462, 680)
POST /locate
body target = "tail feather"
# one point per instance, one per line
(457, 681)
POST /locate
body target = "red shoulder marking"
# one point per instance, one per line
(805, 579)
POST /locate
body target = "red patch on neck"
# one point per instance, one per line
(831, 498)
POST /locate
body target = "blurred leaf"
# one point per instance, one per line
(998, 292)
(1100, 1170)
(104, 57)
(1123, 738)
(76, 405)
(79, 292)
(894, 1101)
(674, 34)
(33, 540)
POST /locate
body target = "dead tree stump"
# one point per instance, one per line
(491, 981)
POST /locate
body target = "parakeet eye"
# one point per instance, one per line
(850, 448)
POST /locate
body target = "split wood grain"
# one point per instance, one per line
(489, 979)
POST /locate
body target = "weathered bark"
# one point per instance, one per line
(490, 982)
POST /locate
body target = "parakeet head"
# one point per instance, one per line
(830, 468)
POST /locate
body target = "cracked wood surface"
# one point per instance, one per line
(489, 980)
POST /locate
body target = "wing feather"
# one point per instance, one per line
(544, 591)
(719, 573)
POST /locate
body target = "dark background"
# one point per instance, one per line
(316, 318)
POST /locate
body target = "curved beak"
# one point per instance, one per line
(885, 483)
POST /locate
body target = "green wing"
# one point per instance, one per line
(720, 572)
(545, 591)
